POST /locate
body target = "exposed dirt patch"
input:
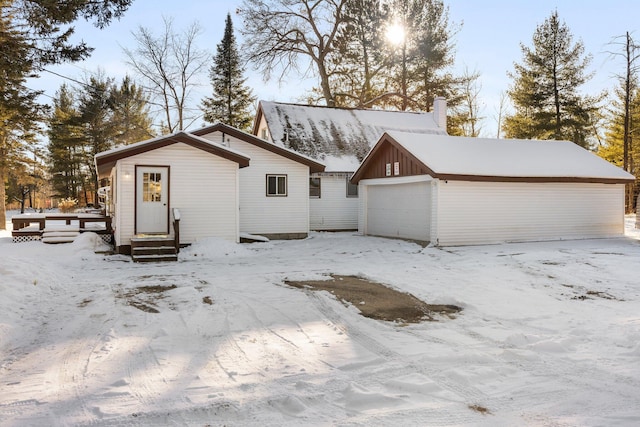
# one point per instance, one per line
(581, 294)
(144, 298)
(207, 300)
(377, 301)
(85, 302)
(480, 409)
(595, 294)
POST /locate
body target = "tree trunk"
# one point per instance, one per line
(3, 178)
(627, 119)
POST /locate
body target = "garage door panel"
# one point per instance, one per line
(399, 210)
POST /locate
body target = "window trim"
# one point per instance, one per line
(348, 183)
(276, 176)
(319, 196)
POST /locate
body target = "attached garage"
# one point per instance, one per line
(448, 190)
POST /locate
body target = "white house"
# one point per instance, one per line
(149, 179)
(339, 138)
(450, 190)
(274, 189)
(207, 176)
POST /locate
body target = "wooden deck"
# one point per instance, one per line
(33, 226)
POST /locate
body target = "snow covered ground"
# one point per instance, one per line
(549, 335)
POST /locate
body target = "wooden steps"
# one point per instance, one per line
(63, 234)
(153, 248)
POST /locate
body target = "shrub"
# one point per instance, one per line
(67, 205)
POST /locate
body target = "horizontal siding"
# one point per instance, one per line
(485, 212)
(202, 187)
(400, 211)
(333, 210)
(260, 214)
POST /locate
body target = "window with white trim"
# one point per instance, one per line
(314, 188)
(277, 185)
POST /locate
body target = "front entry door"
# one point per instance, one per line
(152, 201)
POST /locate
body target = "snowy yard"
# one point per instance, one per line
(549, 335)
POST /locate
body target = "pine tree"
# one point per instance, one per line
(424, 59)
(545, 88)
(130, 118)
(19, 111)
(66, 158)
(33, 34)
(362, 57)
(232, 99)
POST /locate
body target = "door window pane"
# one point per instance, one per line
(151, 187)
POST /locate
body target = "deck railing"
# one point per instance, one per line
(176, 228)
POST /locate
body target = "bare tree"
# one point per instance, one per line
(501, 111)
(469, 108)
(281, 32)
(170, 63)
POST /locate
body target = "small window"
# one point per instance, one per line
(276, 185)
(264, 133)
(314, 188)
(352, 189)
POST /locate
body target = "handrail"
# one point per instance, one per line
(176, 228)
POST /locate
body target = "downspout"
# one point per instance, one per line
(434, 234)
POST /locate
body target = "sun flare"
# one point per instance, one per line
(395, 34)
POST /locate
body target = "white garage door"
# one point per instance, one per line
(399, 210)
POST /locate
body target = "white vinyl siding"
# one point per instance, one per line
(203, 187)
(262, 214)
(333, 210)
(493, 212)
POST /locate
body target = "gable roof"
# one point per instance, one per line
(320, 132)
(314, 166)
(106, 160)
(484, 159)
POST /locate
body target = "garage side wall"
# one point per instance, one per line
(493, 212)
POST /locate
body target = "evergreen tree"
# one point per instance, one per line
(34, 33)
(130, 118)
(66, 158)
(232, 99)
(19, 111)
(424, 59)
(362, 57)
(98, 129)
(613, 148)
(545, 88)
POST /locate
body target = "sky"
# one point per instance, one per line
(488, 41)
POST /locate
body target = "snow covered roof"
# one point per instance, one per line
(106, 160)
(454, 157)
(322, 132)
(223, 129)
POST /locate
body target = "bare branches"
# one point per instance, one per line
(284, 32)
(170, 63)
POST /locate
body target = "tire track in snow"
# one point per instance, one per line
(392, 365)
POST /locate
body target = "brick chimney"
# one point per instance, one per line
(440, 112)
